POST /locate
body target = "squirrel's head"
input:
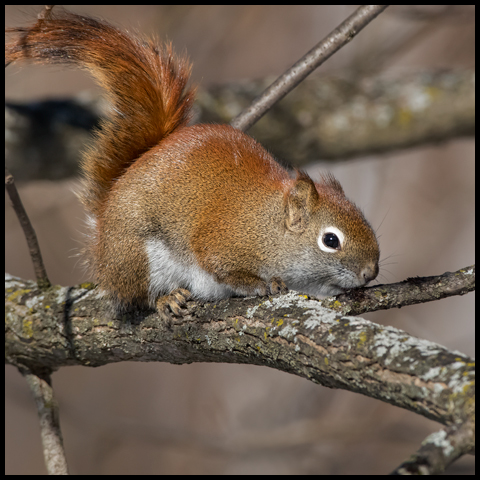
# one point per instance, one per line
(334, 247)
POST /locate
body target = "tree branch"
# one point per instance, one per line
(343, 117)
(388, 114)
(47, 408)
(28, 230)
(72, 326)
(409, 292)
(439, 450)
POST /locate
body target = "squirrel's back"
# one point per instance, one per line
(145, 84)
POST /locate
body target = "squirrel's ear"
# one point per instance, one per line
(300, 202)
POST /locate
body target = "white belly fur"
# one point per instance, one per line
(168, 272)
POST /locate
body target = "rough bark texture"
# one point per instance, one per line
(73, 326)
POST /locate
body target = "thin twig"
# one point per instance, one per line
(339, 37)
(409, 292)
(46, 12)
(33, 247)
(47, 407)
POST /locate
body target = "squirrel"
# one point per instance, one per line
(204, 211)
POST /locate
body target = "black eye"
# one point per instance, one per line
(331, 240)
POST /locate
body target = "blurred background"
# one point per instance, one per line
(133, 418)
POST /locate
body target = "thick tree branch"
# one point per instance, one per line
(314, 122)
(340, 118)
(72, 326)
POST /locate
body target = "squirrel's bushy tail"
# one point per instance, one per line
(145, 83)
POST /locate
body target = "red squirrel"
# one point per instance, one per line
(204, 210)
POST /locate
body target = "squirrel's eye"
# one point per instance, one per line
(331, 240)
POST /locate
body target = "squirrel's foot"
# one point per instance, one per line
(277, 285)
(173, 302)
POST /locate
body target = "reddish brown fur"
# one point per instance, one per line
(220, 184)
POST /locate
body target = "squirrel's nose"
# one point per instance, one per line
(369, 273)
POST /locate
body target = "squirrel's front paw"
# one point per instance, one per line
(277, 285)
(173, 302)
